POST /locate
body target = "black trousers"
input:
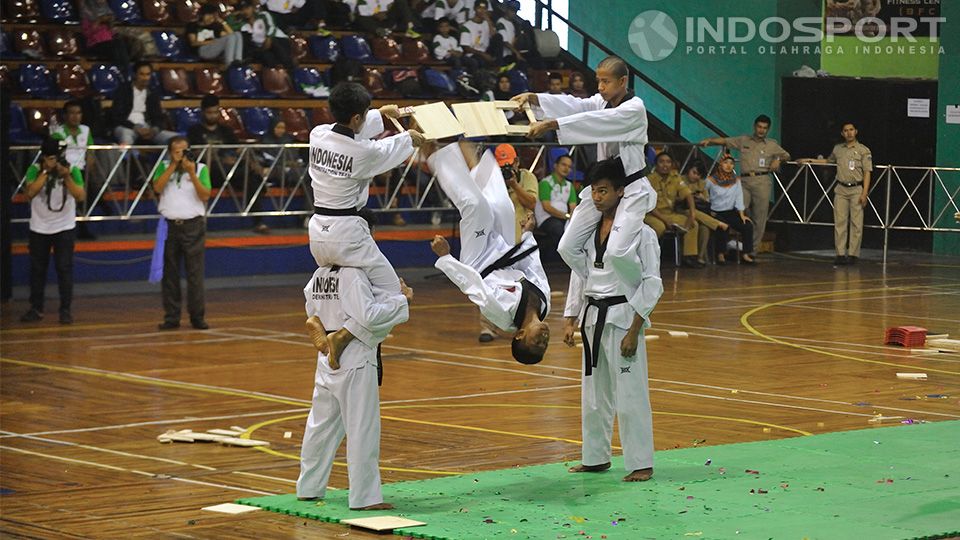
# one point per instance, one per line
(732, 218)
(40, 245)
(186, 243)
(552, 230)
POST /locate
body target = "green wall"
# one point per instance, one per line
(948, 135)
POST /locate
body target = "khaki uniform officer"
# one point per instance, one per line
(670, 189)
(707, 223)
(759, 156)
(854, 165)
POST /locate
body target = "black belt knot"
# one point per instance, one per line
(591, 351)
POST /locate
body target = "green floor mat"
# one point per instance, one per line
(897, 482)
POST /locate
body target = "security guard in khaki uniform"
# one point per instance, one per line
(671, 189)
(854, 165)
(759, 156)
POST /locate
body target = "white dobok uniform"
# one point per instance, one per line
(487, 229)
(617, 385)
(346, 401)
(342, 165)
(618, 131)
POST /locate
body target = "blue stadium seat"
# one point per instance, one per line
(307, 76)
(58, 10)
(19, 131)
(36, 81)
(170, 46)
(244, 81)
(127, 11)
(555, 153)
(257, 120)
(6, 47)
(357, 48)
(519, 83)
(105, 79)
(185, 117)
(439, 82)
(325, 49)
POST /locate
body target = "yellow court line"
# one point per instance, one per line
(745, 321)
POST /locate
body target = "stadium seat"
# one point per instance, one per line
(19, 131)
(299, 48)
(38, 120)
(297, 124)
(307, 77)
(105, 79)
(231, 118)
(322, 115)
(156, 11)
(257, 120)
(356, 48)
(5, 78)
(62, 44)
(185, 117)
(518, 81)
(58, 10)
(373, 81)
(439, 82)
(186, 11)
(276, 80)
(413, 51)
(175, 81)
(170, 46)
(29, 43)
(386, 50)
(6, 47)
(126, 11)
(21, 10)
(72, 79)
(35, 80)
(209, 81)
(325, 49)
(244, 81)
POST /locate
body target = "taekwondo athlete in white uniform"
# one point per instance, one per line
(346, 401)
(616, 120)
(506, 281)
(613, 315)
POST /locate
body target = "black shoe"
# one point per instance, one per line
(692, 262)
(168, 325)
(485, 337)
(841, 260)
(200, 324)
(66, 317)
(852, 260)
(32, 316)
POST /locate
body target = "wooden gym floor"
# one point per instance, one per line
(785, 349)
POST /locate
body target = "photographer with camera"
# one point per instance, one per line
(184, 188)
(53, 187)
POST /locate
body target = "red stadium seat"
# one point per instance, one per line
(299, 48)
(175, 81)
(22, 10)
(186, 11)
(28, 40)
(321, 115)
(230, 118)
(156, 11)
(38, 120)
(62, 43)
(414, 52)
(297, 125)
(373, 81)
(276, 80)
(72, 79)
(209, 81)
(385, 49)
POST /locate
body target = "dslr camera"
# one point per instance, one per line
(507, 171)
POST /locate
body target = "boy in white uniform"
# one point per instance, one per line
(613, 315)
(346, 401)
(506, 281)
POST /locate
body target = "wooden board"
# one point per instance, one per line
(482, 119)
(436, 121)
(382, 523)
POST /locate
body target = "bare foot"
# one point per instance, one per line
(318, 334)
(378, 506)
(589, 468)
(640, 475)
(306, 499)
(338, 341)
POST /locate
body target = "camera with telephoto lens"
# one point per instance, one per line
(507, 171)
(189, 155)
(63, 161)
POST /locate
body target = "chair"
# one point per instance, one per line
(72, 79)
(5, 78)
(299, 48)
(126, 11)
(58, 10)
(22, 10)
(105, 79)
(209, 81)
(413, 51)
(439, 81)
(276, 80)
(257, 120)
(356, 48)
(38, 120)
(170, 46)
(386, 50)
(175, 81)
(325, 49)
(62, 44)
(321, 115)
(35, 80)
(373, 81)
(6, 47)
(156, 12)
(19, 131)
(244, 81)
(297, 124)
(29, 43)
(518, 81)
(230, 118)
(186, 117)
(186, 11)
(307, 77)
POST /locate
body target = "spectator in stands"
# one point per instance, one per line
(382, 16)
(77, 137)
(290, 14)
(446, 47)
(263, 41)
(522, 187)
(726, 204)
(555, 84)
(504, 90)
(53, 187)
(706, 223)
(670, 190)
(289, 169)
(136, 115)
(475, 37)
(558, 198)
(578, 86)
(451, 10)
(96, 24)
(211, 37)
(507, 37)
(183, 185)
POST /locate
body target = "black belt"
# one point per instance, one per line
(850, 184)
(591, 352)
(638, 175)
(750, 175)
(335, 211)
(508, 259)
(182, 221)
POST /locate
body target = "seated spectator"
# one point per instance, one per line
(557, 201)
(136, 115)
(380, 17)
(211, 37)
(555, 84)
(726, 204)
(578, 86)
(290, 14)
(263, 41)
(451, 10)
(507, 38)
(475, 38)
(289, 169)
(53, 187)
(445, 46)
(96, 25)
(671, 190)
(705, 222)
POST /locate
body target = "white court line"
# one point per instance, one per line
(164, 343)
(274, 478)
(482, 394)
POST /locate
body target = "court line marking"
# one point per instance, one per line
(166, 343)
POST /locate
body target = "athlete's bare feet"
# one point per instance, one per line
(318, 334)
(589, 468)
(639, 475)
(378, 506)
(337, 341)
(308, 499)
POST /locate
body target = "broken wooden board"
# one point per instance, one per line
(231, 508)
(382, 523)
(434, 120)
(487, 118)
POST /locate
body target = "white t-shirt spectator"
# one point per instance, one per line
(475, 35)
(284, 6)
(508, 30)
(451, 9)
(138, 114)
(369, 8)
(443, 45)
